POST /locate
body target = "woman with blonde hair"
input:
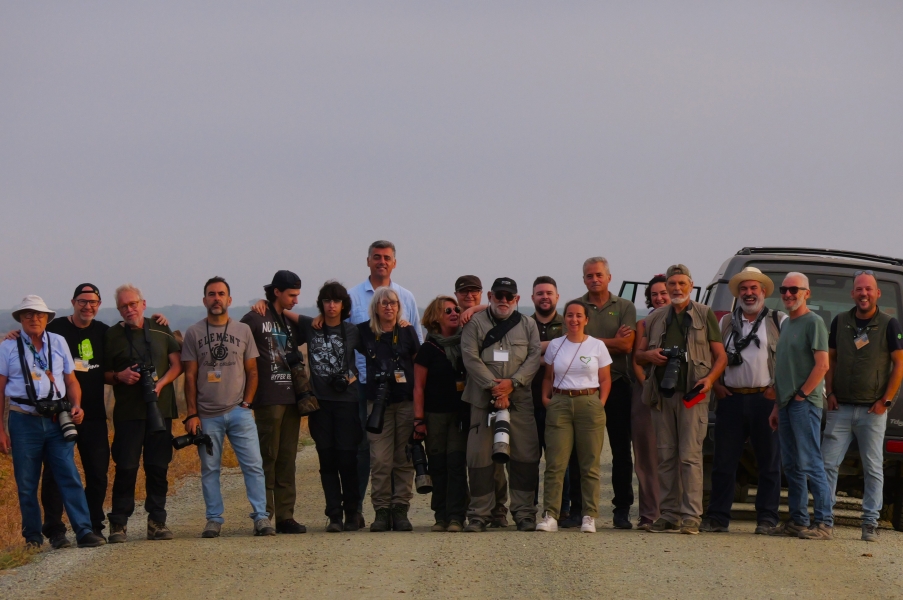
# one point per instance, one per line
(440, 416)
(390, 350)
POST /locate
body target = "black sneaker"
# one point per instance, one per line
(352, 523)
(290, 526)
(59, 540)
(335, 525)
(713, 526)
(91, 540)
(99, 531)
(382, 521)
(400, 521)
(663, 525)
(621, 520)
(569, 522)
(475, 526)
(526, 525)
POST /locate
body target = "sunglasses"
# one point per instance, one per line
(506, 296)
(864, 272)
(793, 289)
(449, 310)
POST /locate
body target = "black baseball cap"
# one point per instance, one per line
(284, 280)
(85, 288)
(504, 284)
(468, 281)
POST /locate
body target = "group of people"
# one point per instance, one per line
(486, 389)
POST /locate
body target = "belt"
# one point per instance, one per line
(24, 412)
(755, 390)
(572, 393)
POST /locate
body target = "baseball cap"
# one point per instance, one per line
(504, 284)
(678, 270)
(468, 281)
(284, 280)
(85, 288)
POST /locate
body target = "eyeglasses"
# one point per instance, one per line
(129, 306)
(506, 296)
(31, 315)
(470, 292)
(91, 303)
(864, 272)
(449, 310)
(793, 289)
(389, 303)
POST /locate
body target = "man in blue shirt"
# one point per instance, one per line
(38, 370)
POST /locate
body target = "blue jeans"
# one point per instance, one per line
(239, 425)
(35, 439)
(799, 429)
(842, 425)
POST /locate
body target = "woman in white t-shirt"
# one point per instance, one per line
(574, 391)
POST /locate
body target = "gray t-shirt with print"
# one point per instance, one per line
(220, 351)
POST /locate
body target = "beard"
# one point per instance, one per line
(679, 300)
(796, 304)
(544, 312)
(753, 309)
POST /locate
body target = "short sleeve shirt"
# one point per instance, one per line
(86, 347)
(604, 322)
(11, 368)
(274, 377)
(800, 339)
(220, 352)
(440, 393)
(577, 365)
(331, 353)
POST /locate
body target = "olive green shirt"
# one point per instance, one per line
(676, 336)
(119, 355)
(604, 322)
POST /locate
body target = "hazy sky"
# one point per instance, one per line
(165, 142)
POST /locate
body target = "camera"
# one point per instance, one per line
(59, 409)
(417, 455)
(378, 414)
(304, 399)
(672, 370)
(500, 421)
(734, 359)
(148, 390)
(339, 382)
(193, 439)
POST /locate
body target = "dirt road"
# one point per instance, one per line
(497, 564)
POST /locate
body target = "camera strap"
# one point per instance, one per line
(282, 324)
(30, 389)
(687, 323)
(394, 347)
(147, 342)
(737, 317)
(499, 330)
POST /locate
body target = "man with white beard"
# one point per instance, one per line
(690, 334)
(745, 400)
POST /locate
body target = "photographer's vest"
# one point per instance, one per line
(699, 353)
(861, 376)
(772, 334)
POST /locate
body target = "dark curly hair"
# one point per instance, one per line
(333, 290)
(648, 292)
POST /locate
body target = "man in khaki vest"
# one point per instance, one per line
(689, 332)
(865, 354)
(745, 401)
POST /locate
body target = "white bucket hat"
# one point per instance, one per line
(750, 274)
(34, 303)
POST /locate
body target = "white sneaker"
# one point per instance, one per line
(589, 525)
(548, 523)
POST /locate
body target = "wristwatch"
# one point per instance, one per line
(801, 394)
(888, 403)
(244, 404)
(515, 383)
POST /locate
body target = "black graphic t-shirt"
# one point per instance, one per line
(330, 354)
(440, 394)
(389, 361)
(274, 378)
(86, 346)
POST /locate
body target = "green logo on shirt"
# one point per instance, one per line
(85, 350)
(613, 314)
(585, 359)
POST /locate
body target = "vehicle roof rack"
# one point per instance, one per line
(820, 252)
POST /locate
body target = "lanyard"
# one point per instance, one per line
(282, 324)
(394, 346)
(38, 358)
(218, 352)
(147, 342)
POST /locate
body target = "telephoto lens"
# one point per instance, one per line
(672, 371)
(501, 436)
(154, 418)
(423, 483)
(378, 415)
(64, 418)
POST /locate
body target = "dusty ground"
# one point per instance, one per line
(497, 564)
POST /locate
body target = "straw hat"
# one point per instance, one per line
(34, 303)
(750, 274)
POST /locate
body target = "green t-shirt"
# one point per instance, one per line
(119, 355)
(604, 323)
(795, 357)
(675, 336)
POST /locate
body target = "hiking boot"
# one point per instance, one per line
(621, 520)
(118, 534)
(439, 527)
(263, 526)
(359, 519)
(663, 525)
(788, 528)
(335, 525)
(528, 524)
(211, 530)
(818, 531)
(382, 521)
(158, 531)
(569, 522)
(764, 529)
(34, 544)
(99, 531)
(475, 526)
(689, 527)
(588, 525)
(59, 540)
(352, 523)
(500, 521)
(869, 533)
(644, 524)
(454, 526)
(548, 523)
(90, 540)
(713, 526)
(400, 520)
(290, 526)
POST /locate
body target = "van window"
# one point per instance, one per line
(831, 295)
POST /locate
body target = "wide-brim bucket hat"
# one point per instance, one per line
(34, 303)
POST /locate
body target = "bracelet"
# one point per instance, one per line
(190, 417)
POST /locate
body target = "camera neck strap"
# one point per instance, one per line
(282, 323)
(737, 319)
(30, 390)
(499, 330)
(147, 342)
(371, 350)
(687, 322)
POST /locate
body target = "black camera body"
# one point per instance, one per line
(339, 382)
(194, 439)
(304, 397)
(61, 410)
(148, 390)
(734, 358)
(672, 370)
(417, 455)
(378, 415)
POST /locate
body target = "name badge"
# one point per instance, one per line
(861, 340)
(500, 355)
(82, 365)
(36, 375)
(459, 386)
(399, 377)
(214, 376)
(154, 375)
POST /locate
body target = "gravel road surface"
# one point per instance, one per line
(496, 564)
